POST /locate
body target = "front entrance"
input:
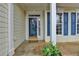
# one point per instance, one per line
(34, 27)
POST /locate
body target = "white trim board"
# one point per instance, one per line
(27, 23)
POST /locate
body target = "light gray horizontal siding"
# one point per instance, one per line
(3, 29)
(19, 26)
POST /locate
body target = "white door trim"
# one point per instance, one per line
(37, 25)
(27, 22)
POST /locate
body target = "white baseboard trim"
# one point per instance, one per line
(68, 40)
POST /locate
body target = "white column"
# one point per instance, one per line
(10, 29)
(53, 23)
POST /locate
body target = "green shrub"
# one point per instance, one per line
(51, 50)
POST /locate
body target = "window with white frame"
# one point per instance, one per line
(77, 23)
(64, 17)
(73, 23)
(59, 24)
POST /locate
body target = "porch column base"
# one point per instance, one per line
(11, 52)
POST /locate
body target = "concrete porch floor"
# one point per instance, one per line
(27, 49)
(67, 48)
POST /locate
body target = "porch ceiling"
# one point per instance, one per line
(34, 6)
(68, 5)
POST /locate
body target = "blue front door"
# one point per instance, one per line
(32, 26)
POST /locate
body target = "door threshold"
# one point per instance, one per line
(32, 40)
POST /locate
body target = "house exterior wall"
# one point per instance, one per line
(35, 11)
(19, 26)
(3, 29)
(69, 37)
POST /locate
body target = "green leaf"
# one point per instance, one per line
(51, 50)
